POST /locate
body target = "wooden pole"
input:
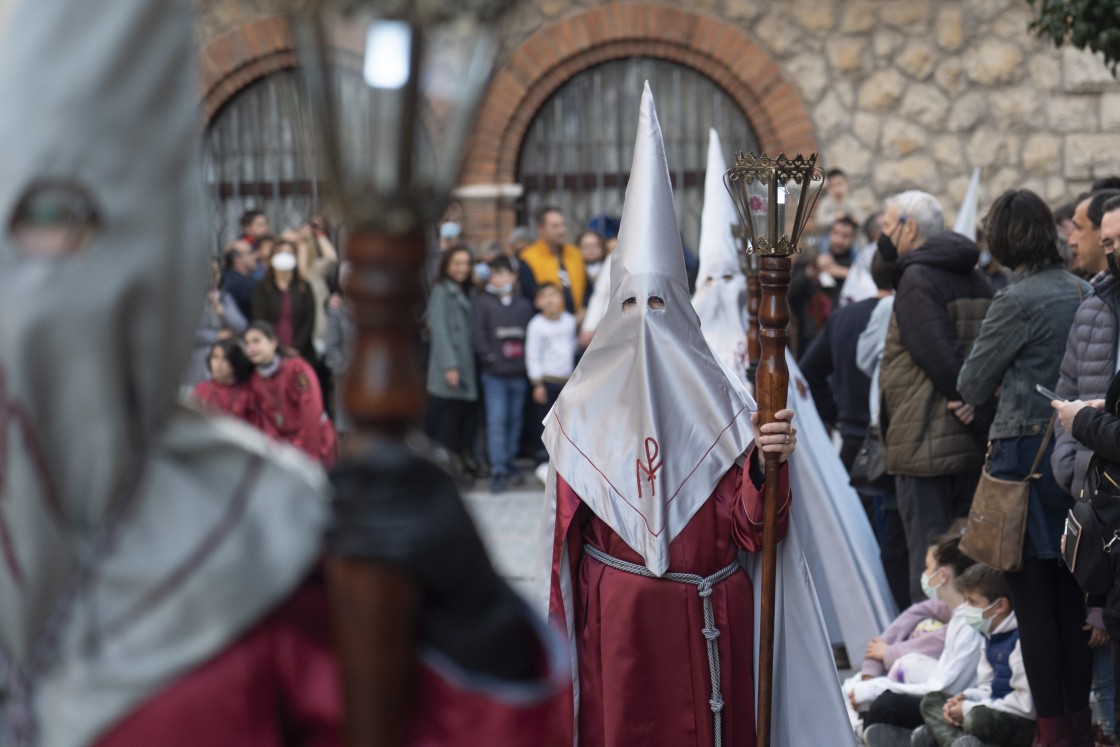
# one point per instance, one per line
(771, 389)
(376, 610)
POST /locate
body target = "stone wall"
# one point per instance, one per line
(915, 93)
(901, 93)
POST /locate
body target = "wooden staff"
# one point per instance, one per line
(376, 609)
(771, 388)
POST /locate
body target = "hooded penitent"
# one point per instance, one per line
(844, 552)
(649, 422)
(721, 288)
(134, 542)
(650, 381)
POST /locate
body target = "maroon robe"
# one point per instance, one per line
(232, 399)
(279, 686)
(643, 662)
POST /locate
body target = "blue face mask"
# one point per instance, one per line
(974, 617)
(985, 258)
(482, 271)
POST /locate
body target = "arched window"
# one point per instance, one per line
(259, 149)
(256, 156)
(577, 151)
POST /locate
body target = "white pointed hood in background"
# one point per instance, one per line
(721, 288)
(650, 421)
(965, 224)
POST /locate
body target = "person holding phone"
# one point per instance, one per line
(1020, 345)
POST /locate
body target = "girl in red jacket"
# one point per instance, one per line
(287, 403)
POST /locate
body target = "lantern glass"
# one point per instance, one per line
(774, 198)
(392, 151)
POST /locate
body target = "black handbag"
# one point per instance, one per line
(1091, 537)
(869, 469)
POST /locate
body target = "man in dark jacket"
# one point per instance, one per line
(840, 389)
(1090, 359)
(934, 442)
(498, 326)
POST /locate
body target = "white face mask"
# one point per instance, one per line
(928, 588)
(974, 617)
(283, 262)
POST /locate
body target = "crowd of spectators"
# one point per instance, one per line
(935, 365)
(921, 340)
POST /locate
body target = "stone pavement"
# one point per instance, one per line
(508, 523)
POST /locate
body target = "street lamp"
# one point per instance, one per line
(424, 65)
(762, 188)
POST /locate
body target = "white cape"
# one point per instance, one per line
(842, 551)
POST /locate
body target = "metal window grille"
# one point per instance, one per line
(577, 151)
(259, 149)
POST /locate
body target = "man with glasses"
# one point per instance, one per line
(935, 443)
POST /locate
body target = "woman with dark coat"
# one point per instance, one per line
(452, 378)
(285, 300)
(1021, 342)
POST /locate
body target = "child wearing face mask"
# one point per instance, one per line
(498, 327)
(890, 708)
(908, 650)
(999, 710)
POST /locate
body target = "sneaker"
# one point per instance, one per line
(498, 484)
(922, 738)
(516, 479)
(542, 472)
(887, 735)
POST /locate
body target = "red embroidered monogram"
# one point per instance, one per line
(650, 468)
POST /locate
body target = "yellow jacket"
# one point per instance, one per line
(546, 269)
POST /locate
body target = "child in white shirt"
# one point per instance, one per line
(550, 353)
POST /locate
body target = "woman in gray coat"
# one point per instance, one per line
(452, 379)
(1020, 345)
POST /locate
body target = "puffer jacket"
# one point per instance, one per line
(1087, 367)
(1021, 344)
(940, 302)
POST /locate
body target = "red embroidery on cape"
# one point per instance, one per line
(650, 468)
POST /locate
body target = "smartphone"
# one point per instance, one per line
(1047, 393)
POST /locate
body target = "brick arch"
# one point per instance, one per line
(241, 56)
(553, 55)
(252, 51)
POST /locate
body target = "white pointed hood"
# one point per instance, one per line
(650, 421)
(721, 288)
(965, 224)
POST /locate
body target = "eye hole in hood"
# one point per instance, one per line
(53, 219)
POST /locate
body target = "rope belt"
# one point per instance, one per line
(711, 632)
